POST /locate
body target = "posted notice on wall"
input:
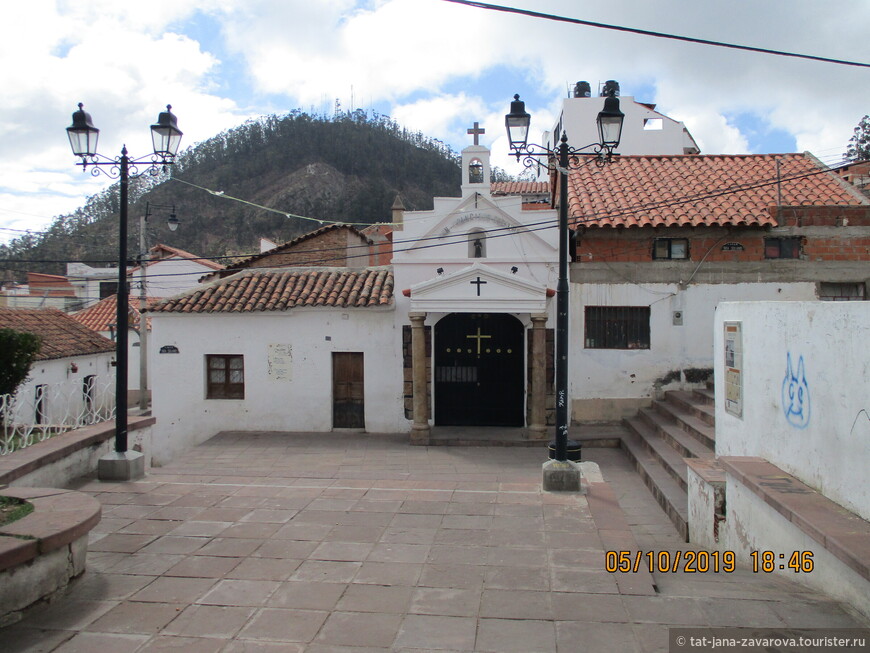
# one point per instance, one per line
(734, 368)
(280, 362)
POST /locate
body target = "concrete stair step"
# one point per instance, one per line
(687, 401)
(707, 396)
(671, 459)
(674, 436)
(688, 422)
(670, 496)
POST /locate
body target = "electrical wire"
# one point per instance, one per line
(661, 35)
(577, 220)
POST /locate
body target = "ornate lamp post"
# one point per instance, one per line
(609, 131)
(165, 137)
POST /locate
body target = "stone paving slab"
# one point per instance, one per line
(350, 542)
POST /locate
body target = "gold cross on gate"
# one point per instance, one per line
(478, 337)
(476, 131)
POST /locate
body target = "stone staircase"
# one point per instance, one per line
(659, 439)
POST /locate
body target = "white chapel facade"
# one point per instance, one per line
(474, 280)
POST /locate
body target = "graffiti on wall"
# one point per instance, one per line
(796, 394)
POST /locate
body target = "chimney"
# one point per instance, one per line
(398, 214)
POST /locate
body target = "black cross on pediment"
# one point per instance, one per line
(478, 282)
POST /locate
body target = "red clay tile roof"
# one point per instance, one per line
(520, 188)
(694, 190)
(279, 289)
(62, 336)
(104, 313)
(49, 285)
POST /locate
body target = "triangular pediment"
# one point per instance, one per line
(479, 288)
(480, 211)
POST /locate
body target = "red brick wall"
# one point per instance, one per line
(636, 245)
(335, 248)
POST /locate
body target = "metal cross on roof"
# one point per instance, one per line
(476, 131)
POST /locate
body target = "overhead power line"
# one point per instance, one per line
(661, 35)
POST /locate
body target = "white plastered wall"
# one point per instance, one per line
(301, 403)
(826, 443)
(611, 384)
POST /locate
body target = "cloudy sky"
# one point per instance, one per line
(431, 65)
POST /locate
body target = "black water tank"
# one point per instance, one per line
(582, 89)
(611, 89)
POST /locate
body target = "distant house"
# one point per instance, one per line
(73, 373)
(102, 317)
(41, 291)
(644, 130)
(661, 240)
(169, 271)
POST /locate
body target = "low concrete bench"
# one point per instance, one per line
(41, 552)
(66, 456)
(844, 534)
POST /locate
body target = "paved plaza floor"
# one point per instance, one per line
(350, 542)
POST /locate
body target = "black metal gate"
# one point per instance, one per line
(479, 370)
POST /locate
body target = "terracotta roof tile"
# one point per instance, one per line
(693, 190)
(520, 187)
(279, 289)
(104, 313)
(62, 336)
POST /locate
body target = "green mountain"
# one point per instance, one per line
(347, 168)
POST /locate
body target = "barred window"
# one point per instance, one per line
(841, 292)
(225, 376)
(617, 327)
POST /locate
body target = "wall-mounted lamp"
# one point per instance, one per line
(73, 367)
(440, 271)
(514, 269)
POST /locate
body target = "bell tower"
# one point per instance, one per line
(475, 166)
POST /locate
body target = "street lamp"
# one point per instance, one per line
(83, 137)
(609, 130)
(172, 222)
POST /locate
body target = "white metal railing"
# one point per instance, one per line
(36, 413)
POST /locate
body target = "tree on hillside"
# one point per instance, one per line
(859, 144)
(17, 351)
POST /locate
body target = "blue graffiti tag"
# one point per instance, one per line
(796, 394)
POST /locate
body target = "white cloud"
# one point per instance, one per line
(432, 65)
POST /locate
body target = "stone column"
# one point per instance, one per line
(420, 427)
(538, 411)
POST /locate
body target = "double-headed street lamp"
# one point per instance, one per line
(165, 136)
(609, 132)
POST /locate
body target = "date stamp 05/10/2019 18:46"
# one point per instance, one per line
(702, 562)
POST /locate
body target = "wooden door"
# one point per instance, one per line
(348, 396)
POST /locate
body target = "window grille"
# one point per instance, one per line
(617, 327)
(225, 376)
(842, 292)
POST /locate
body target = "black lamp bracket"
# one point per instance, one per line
(111, 166)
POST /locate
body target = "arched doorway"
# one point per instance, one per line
(479, 377)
